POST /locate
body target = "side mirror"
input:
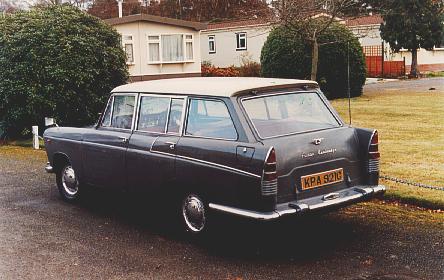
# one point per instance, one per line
(50, 122)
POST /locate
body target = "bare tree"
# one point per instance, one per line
(10, 6)
(195, 10)
(309, 19)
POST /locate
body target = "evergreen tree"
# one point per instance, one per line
(412, 24)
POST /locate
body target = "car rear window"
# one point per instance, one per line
(290, 113)
(211, 119)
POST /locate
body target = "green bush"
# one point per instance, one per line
(285, 55)
(56, 61)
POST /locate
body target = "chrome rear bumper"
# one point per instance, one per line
(336, 199)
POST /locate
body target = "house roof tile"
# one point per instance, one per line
(157, 19)
(365, 20)
(238, 23)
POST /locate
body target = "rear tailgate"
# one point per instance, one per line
(316, 163)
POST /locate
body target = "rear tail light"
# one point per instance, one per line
(373, 154)
(269, 175)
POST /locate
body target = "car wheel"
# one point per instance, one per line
(67, 183)
(194, 215)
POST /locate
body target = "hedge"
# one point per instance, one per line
(286, 55)
(56, 61)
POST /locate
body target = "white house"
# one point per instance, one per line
(159, 47)
(227, 43)
(367, 30)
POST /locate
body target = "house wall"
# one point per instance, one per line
(226, 53)
(141, 69)
(427, 60)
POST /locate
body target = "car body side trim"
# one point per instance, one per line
(63, 139)
(87, 143)
(209, 163)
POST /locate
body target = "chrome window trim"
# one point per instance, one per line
(110, 99)
(171, 97)
(184, 134)
(184, 113)
(338, 120)
(165, 129)
(184, 100)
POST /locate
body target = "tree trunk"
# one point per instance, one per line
(314, 60)
(414, 72)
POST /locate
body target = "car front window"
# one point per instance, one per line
(123, 110)
(289, 113)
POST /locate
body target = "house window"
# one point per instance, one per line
(170, 48)
(189, 47)
(128, 47)
(153, 48)
(241, 41)
(212, 43)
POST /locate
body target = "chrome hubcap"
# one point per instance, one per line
(193, 211)
(69, 181)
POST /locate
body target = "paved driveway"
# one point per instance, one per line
(115, 236)
(417, 86)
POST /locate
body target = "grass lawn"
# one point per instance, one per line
(411, 135)
(435, 74)
(26, 143)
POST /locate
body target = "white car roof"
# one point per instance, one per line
(212, 86)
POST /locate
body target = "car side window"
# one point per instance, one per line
(123, 110)
(153, 113)
(210, 118)
(106, 121)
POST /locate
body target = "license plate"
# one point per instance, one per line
(322, 179)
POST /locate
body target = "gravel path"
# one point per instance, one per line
(115, 236)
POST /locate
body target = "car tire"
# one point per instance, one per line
(68, 183)
(194, 215)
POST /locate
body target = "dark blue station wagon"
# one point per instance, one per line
(253, 147)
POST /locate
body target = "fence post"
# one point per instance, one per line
(382, 59)
(404, 66)
(35, 137)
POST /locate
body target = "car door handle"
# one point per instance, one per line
(172, 145)
(123, 139)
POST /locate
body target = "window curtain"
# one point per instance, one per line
(172, 47)
(154, 51)
(189, 46)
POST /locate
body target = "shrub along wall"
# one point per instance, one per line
(285, 55)
(56, 61)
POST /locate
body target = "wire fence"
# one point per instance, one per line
(411, 183)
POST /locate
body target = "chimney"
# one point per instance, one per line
(119, 3)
